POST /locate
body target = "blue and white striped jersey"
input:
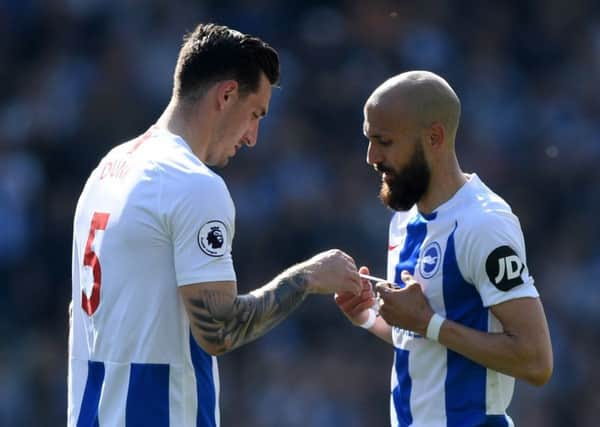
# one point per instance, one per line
(151, 218)
(468, 255)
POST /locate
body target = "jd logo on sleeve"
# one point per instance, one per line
(504, 267)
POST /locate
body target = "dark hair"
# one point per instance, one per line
(212, 53)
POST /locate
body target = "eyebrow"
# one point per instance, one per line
(374, 136)
(371, 136)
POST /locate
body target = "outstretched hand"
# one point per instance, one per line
(330, 272)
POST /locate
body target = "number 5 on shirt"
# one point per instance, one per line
(90, 259)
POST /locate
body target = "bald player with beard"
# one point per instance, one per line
(459, 305)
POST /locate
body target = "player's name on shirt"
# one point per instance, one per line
(117, 169)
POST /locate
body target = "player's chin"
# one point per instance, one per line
(224, 162)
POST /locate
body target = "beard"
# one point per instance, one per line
(401, 190)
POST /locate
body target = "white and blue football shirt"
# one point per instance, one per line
(151, 218)
(468, 255)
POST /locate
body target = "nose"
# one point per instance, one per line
(251, 135)
(373, 155)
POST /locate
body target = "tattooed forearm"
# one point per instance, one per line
(227, 325)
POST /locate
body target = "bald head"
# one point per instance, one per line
(421, 96)
(411, 122)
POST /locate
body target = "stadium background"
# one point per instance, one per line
(79, 76)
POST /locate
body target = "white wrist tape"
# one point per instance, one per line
(434, 326)
(368, 324)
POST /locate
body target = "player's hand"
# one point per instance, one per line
(407, 308)
(330, 272)
(356, 307)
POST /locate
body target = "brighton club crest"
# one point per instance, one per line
(430, 260)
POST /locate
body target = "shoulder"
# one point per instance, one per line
(181, 183)
(183, 173)
(192, 177)
(490, 248)
(196, 192)
(485, 211)
(487, 228)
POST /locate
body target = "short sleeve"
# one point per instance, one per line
(494, 259)
(200, 218)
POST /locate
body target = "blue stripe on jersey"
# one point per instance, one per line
(148, 395)
(496, 421)
(465, 385)
(401, 393)
(88, 415)
(416, 231)
(205, 385)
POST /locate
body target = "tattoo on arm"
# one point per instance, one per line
(227, 326)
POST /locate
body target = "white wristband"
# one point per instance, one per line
(368, 324)
(434, 326)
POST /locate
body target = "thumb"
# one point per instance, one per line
(366, 284)
(407, 278)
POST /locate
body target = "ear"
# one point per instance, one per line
(227, 91)
(437, 135)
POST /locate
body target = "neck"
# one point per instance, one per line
(179, 119)
(445, 182)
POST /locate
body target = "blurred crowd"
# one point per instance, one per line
(79, 76)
